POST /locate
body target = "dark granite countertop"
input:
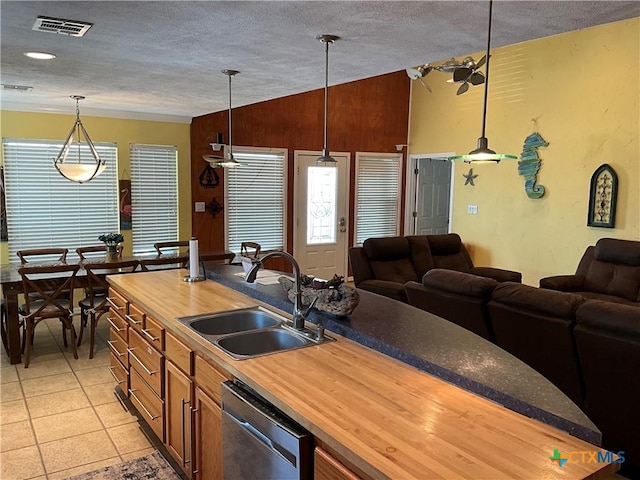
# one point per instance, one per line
(438, 347)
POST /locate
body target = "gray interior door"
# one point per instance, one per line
(433, 186)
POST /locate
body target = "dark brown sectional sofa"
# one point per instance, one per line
(581, 331)
(384, 265)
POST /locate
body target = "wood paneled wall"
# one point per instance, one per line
(369, 115)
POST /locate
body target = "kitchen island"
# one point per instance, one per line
(378, 416)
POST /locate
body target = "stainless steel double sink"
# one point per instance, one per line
(250, 332)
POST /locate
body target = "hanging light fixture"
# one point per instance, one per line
(227, 161)
(78, 171)
(483, 153)
(325, 158)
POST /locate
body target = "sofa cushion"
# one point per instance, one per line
(459, 282)
(614, 250)
(611, 317)
(399, 271)
(420, 254)
(385, 249)
(449, 252)
(613, 279)
(550, 302)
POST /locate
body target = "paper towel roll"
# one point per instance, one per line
(194, 258)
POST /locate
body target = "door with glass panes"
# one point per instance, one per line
(321, 226)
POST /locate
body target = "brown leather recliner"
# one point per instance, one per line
(458, 297)
(609, 271)
(536, 326)
(608, 341)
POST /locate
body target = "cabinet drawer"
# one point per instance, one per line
(118, 303)
(153, 332)
(209, 378)
(118, 347)
(118, 324)
(136, 317)
(179, 353)
(148, 362)
(119, 372)
(148, 404)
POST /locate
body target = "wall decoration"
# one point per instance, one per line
(125, 204)
(209, 178)
(214, 207)
(470, 177)
(529, 164)
(4, 231)
(603, 194)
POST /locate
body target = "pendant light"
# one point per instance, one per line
(483, 153)
(77, 170)
(325, 158)
(228, 161)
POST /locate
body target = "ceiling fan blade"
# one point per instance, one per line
(481, 62)
(425, 85)
(463, 88)
(461, 74)
(476, 78)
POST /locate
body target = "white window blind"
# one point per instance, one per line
(44, 209)
(154, 195)
(255, 198)
(377, 202)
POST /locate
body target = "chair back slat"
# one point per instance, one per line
(97, 284)
(162, 247)
(53, 299)
(165, 262)
(42, 254)
(86, 252)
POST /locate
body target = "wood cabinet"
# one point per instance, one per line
(176, 392)
(328, 468)
(179, 406)
(207, 421)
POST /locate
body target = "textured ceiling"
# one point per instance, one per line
(165, 58)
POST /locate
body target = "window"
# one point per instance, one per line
(255, 198)
(154, 195)
(377, 202)
(44, 209)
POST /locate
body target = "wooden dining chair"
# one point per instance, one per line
(45, 303)
(95, 251)
(42, 255)
(170, 247)
(164, 262)
(95, 304)
(246, 246)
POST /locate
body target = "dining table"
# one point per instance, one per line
(12, 287)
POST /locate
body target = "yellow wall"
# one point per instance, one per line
(121, 131)
(580, 91)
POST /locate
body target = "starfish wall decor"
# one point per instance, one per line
(470, 177)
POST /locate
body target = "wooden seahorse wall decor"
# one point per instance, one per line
(529, 164)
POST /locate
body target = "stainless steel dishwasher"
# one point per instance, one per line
(259, 441)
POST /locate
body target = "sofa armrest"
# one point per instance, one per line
(498, 274)
(563, 283)
(359, 265)
(386, 288)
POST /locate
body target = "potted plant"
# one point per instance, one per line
(111, 240)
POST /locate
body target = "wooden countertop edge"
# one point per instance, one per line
(239, 369)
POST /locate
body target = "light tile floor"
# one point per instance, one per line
(60, 417)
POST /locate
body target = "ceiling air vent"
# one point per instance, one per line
(16, 88)
(72, 28)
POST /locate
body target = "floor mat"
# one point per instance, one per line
(149, 467)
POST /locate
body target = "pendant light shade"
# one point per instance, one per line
(228, 161)
(483, 153)
(326, 158)
(69, 161)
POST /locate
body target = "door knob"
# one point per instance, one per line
(341, 223)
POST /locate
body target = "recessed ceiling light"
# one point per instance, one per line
(40, 55)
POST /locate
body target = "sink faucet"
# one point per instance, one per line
(299, 313)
